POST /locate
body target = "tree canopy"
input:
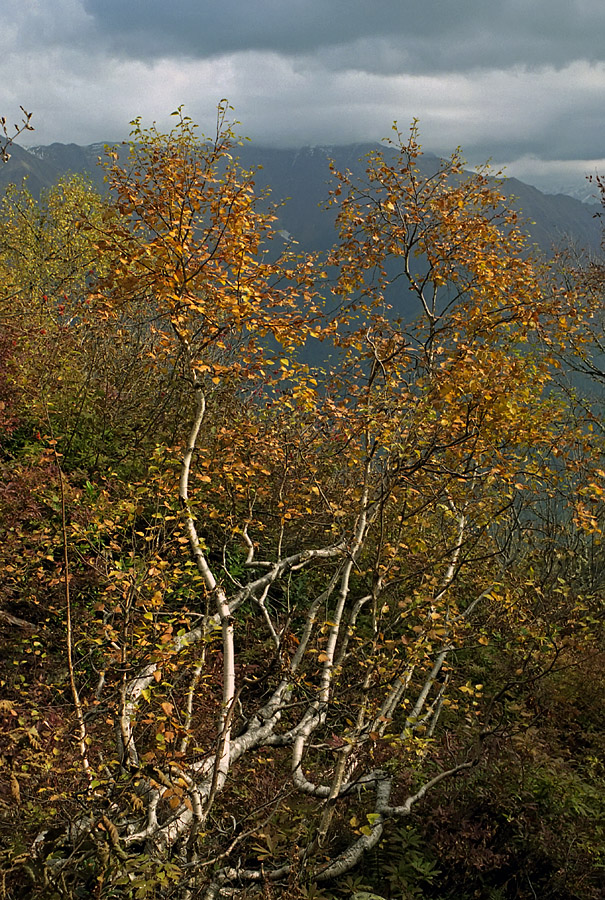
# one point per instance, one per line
(265, 619)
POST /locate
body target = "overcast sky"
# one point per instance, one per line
(519, 81)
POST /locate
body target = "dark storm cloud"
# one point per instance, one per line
(512, 80)
(381, 35)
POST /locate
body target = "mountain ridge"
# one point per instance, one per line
(301, 176)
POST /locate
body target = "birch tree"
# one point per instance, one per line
(287, 591)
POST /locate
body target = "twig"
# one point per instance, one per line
(69, 636)
(9, 138)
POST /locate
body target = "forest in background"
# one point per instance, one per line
(276, 630)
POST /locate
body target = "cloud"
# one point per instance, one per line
(511, 80)
(380, 36)
(564, 175)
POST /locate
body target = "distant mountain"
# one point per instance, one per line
(43, 166)
(302, 178)
(23, 164)
(556, 220)
(583, 191)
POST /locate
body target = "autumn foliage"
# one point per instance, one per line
(264, 619)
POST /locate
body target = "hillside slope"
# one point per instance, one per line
(302, 178)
